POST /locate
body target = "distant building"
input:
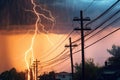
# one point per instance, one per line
(63, 76)
(110, 72)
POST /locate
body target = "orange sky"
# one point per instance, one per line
(13, 47)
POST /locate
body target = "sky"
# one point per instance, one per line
(17, 29)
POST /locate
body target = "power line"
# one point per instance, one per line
(60, 58)
(57, 56)
(85, 47)
(96, 41)
(63, 40)
(48, 53)
(96, 19)
(103, 28)
(60, 54)
(55, 62)
(99, 39)
(102, 13)
(58, 63)
(100, 25)
(88, 6)
(66, 57)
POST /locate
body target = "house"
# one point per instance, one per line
(110, 72)
(63, 76)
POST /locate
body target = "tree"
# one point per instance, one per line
(115, 52)
(12, 75)
(90, 70)
(49, 76)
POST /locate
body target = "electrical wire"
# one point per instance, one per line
(48, 53)
(99, 39)
(103, 13)
(99, 25)
(88, 6)
(66, 57)
(56, 64)
(95, 29)
(57, 56)
(103, 28)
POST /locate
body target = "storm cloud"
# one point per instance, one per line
(15, 12)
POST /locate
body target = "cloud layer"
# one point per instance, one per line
(16, 12)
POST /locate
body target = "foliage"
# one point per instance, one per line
(49, 76)
(90, 70)
(115, 52)
(12, 75)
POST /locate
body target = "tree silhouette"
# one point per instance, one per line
(49, 76)
(12, 75)
(90, 70)
(115, 52)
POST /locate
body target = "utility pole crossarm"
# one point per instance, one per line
(75, 45)
(77, 19)
(87, 29)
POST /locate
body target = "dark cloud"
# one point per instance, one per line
(49, 2)
(14, 12)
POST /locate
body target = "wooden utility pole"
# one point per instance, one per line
(36, 68)
(81, 19)
(71, 57)
(33, 71)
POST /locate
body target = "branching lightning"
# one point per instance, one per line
(30, 51)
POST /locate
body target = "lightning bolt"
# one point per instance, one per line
(30, 51)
